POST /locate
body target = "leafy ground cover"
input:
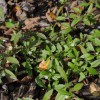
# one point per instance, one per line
(50, 50)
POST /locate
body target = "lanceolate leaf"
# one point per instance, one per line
(41, 35)
(96, 63)
(60, 97)
(10, 74)
(75, 21)
(61, 70)
(12, 60)
(92, 71)
(78, 86)
(1, 14)
(82, 76)
(39, 82)
(10, 25)
(90, 8)
(48, 95)
(15, 37)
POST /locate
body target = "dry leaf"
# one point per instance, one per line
(16, 8)
(31, 23)
(74, 4)
(54, 10)
(30, 1)
(94, 89)
(80, 7)
(21, 15)
(2, 27)
(44, 65)
(9, 31)
(26, 79)
(51, 14)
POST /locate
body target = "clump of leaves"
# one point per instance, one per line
(60, 60)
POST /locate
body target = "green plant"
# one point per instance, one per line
(73, 56)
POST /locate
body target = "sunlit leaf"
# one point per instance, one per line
(27, 99)
(82, 76)
(75, 21)
(10, 25)
(83, 50)
(41, 35)
(59, 47)
(15, 37)
(86, 21)
(95, 63)
(61, 89)
(60, 18)
(78, 86)
(48, 95)
(92, 71)
(12, 60)
(90, 46)
(44, 65)
(1, 14)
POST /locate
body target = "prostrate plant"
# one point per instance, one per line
(60, 60)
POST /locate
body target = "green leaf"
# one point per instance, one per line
(61, 89)
(86, 21)
(96, 33)
(59, 47)
(1, 14)
(71, 65)
(77, 10)
(82, 76)
(61, 71)
(90, 8)
(10, 74)
(66, 31)
(48, 95)
(39, 82)
(42, 36)
(85, 4)
(10, 25)
(75, 21)
(78, 86)
(56, 77)
(83, 50)
(15, 37)
(27, 65)
(0, 80)
(96, 63)
(98, 4)
(60, 18)
(76, 52)
(27, 99)
(89, 46)
(19, 99)
(92, 71)
(97, 42)
(72, 15)
(87, 56)
(12, 60)
(62, 1)
(61, 97)
(53, 48)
